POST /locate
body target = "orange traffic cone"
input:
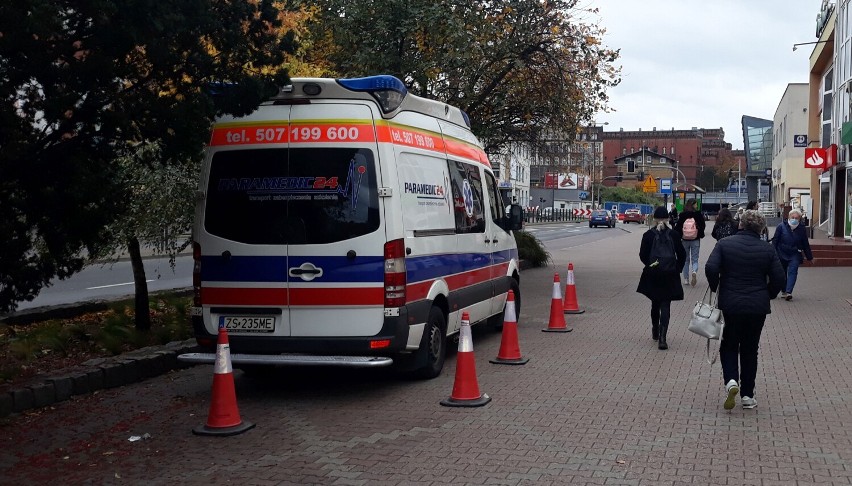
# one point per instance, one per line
(510, 350)
(557, 316)
(224, 417)
(571, 306)
(465, 389)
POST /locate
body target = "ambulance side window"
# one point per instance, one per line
(466, 186)
(494, 202)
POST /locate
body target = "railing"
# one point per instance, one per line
(547, 215)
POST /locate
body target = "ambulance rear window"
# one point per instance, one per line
(318, 195)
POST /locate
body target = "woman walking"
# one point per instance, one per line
(791, 241)
(747, 274)
(690, 226)
(725, 225)
(662, 253)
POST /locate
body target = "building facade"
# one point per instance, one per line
(692, 150)
(790, 180)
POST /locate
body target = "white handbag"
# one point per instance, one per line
(707, 320)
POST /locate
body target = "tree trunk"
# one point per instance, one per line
(143, 314)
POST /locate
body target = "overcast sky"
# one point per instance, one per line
(692, 63)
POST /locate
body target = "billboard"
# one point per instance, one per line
(558, 180)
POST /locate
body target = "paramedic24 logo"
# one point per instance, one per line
(427, 194)
(307, 188)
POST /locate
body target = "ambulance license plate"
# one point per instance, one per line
(248, 323)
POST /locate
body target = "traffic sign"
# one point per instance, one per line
(650, 185)
(665, 186)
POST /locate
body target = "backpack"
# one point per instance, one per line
(663, 258)
(689, 230)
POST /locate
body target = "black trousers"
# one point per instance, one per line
(740, 341)
(661, 310)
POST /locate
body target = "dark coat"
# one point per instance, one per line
(657, 285)
(747, 273)
(724, 229)
(788, 242)
(700, 224)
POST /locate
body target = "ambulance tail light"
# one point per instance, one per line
(395, 279)
(196, 274)
(387, 90)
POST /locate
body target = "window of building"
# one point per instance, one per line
(664, 151)
(672, 149)
(631, 166)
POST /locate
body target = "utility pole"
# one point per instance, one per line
(739, 180)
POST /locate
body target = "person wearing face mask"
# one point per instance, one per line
(791, 242)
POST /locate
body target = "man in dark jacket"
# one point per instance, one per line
(747, 273)
(791, 244)
(691, 242)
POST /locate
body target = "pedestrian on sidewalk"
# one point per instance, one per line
(753, 205)
(690, 226)
(725, 225)
(662, 254)
(791, 242)
(747, 274)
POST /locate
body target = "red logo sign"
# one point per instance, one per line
(816, 158)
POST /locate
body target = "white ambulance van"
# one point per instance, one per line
(349, 223)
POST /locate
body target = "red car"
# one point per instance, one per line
(633, 216)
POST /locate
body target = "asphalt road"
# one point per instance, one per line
(113, 280)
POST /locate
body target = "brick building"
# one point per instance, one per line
(692, 150)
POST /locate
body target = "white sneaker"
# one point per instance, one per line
(749, 402)
(732, 388)
(693, 279)
(686, 281)
(783, 294)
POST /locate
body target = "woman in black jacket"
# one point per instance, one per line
(725, 225)
(662, 287)
(747, 274)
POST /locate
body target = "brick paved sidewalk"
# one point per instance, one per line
(599, 405)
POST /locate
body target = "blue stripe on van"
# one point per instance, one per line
(342, 269)
(274, 268)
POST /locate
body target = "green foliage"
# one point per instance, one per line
(83, 83)
(531, 249)
(628, 195)
(517, 67)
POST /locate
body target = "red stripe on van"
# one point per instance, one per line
(242, 296)
(338, 296)
(467, 151)
(297, 297)
(420, 290)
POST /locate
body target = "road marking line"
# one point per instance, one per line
(114, 285)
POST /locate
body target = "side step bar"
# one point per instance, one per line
(291, 360)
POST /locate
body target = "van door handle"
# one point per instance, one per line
(299, 271)
(495, 240)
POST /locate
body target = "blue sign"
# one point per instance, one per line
(665, 186)
(584, 195)
(800, 140)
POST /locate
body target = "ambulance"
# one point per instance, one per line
(348, 222)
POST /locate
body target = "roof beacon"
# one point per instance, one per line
(387, 90)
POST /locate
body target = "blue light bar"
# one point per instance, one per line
(374, 83)
(387, 90)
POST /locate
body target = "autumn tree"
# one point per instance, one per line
(83, 83)
(521, 69)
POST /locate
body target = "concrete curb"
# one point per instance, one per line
(95, 374)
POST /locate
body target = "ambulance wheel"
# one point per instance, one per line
(435, 342)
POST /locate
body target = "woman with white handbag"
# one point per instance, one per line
(747, 274)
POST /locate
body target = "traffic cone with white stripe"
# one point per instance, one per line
(557, 316)
(571, 306)
(466, 388)
(224, 416)
(510, 350)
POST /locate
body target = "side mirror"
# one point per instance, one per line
(516, 218)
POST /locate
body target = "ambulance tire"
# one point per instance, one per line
(496, 321)
(434, 343)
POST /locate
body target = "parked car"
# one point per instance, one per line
(601, 217)
(633, 216)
